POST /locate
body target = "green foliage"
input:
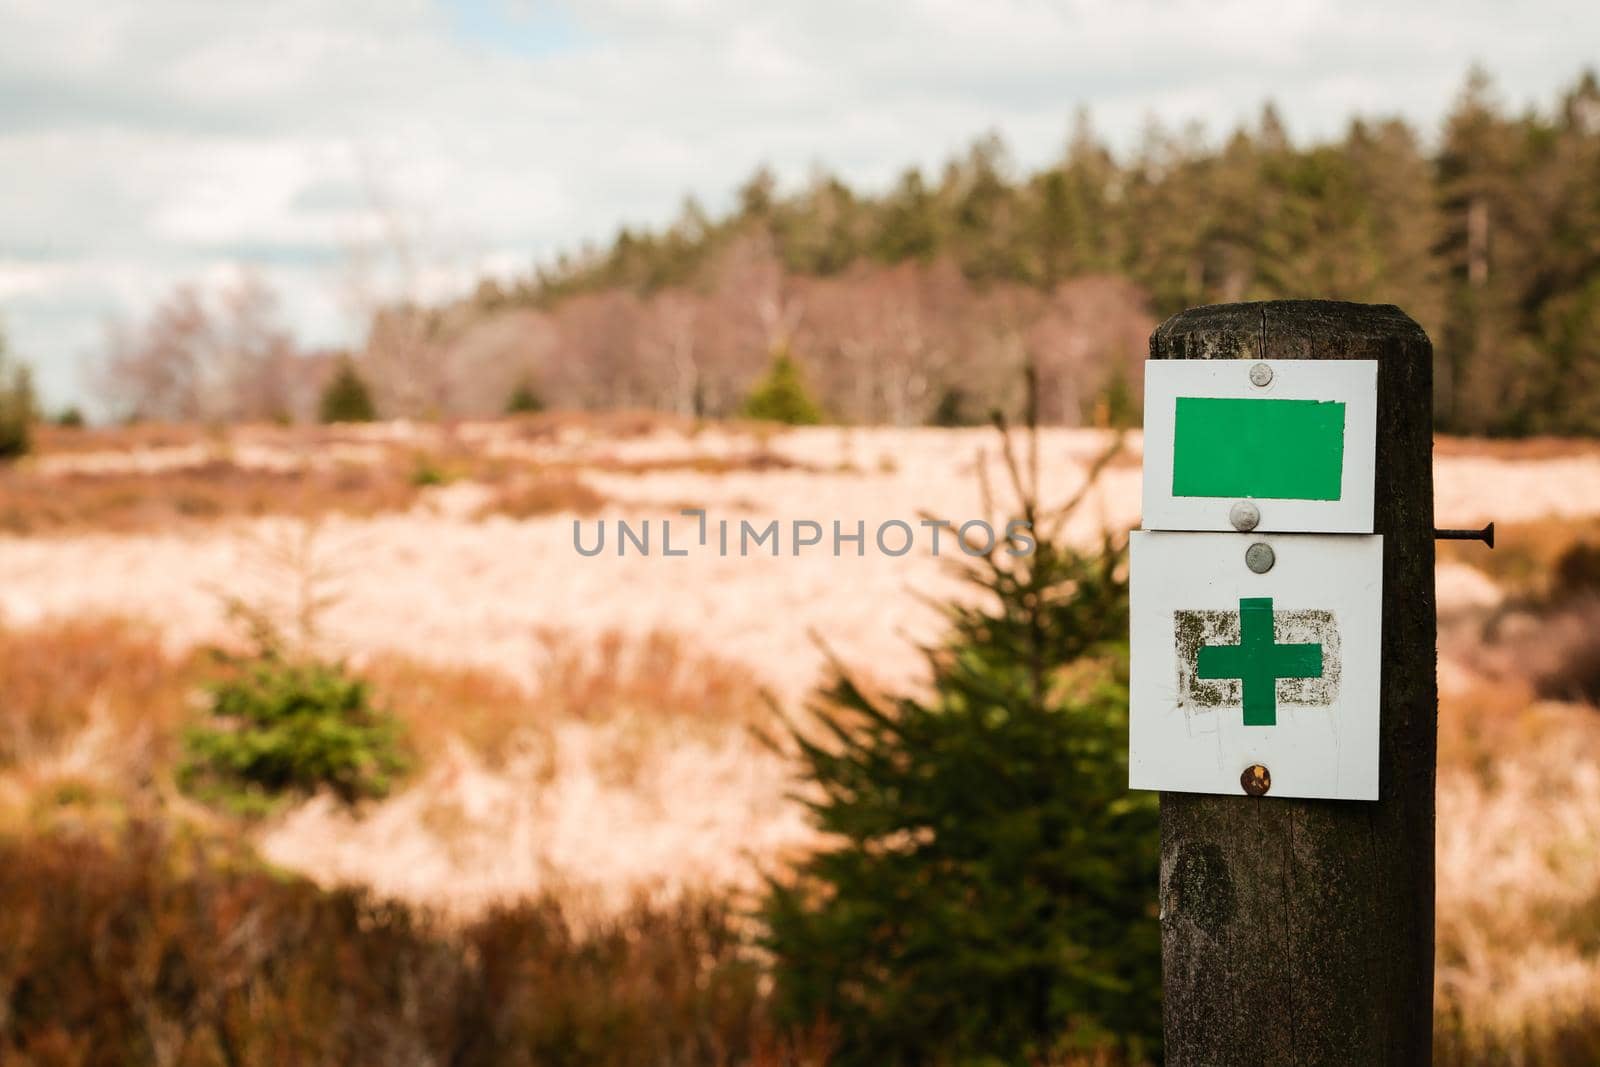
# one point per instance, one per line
(990, 897)
(18, 407)
(952, 409)
(346, 397)
(427, 472)
(524, 400)
(1577, 571)
(70, 418)
(286, 724)
(781, 396)
(147, 950)
(1117, 402)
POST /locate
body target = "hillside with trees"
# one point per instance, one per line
(921, 303)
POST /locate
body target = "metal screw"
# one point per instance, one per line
(1259, 557)
(1244, 515)
(1256, 780)
(1260, 374)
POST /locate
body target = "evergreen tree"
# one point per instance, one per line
(909, 226)
(1476, 386)
(990, 893)
(951, 410)
(1564, 297)
(1400, 216)
(1169, 205)
(781, 396)
(822, 233)
(759, 194)
(18, 406)
(984, 215)
(524, 400)
(346, 398)
(1074, 215)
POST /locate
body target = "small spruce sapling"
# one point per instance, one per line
(987, 890)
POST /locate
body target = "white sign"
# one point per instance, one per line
(1295, 438)
(1269, 664)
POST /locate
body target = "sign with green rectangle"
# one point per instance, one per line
(1267, 445)
(1250, 447)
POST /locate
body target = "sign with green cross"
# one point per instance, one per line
(1235, 668)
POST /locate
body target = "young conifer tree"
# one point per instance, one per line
(782, 395)
(988, 894)
(347, 398)
(19, 408)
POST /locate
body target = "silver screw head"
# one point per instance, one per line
(1260, 374)
(1259, 557)
(1244, 515)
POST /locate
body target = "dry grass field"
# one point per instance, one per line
(589, 728)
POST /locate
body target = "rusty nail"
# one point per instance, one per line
(1256, 780)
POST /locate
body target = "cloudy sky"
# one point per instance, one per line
(144, 143)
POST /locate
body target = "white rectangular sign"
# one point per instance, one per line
(1295, 438)
(1236, 667)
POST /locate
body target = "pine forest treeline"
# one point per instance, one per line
(922, 302)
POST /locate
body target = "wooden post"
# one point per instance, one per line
(1301, 931)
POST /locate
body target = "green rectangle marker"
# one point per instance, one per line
(1279, 449)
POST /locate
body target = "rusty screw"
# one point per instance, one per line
(1256, 780)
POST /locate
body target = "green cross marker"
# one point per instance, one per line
(1257, 662)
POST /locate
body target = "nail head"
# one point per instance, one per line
(1244, 515)
(1260, 557)
(1261, 374)
(1256, 780)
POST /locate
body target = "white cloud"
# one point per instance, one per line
(144, 143)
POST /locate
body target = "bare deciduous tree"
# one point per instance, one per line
(219, 359)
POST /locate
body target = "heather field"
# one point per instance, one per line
(591, 736)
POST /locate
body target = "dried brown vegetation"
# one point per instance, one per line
(142, 946)
(662, 678)
(63, 675)
(1523, 448)
(1518, 909)
(645, 684)
(592, 764)
(531, 496)
(152, 477)
(32, 503)
(1528, 555)
(1518, 973)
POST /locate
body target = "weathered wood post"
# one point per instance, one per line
(1301, 931)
